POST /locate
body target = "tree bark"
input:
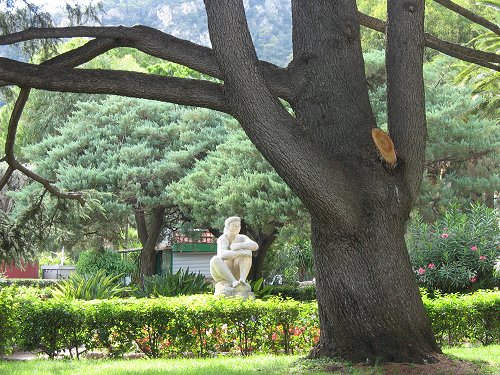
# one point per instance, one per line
(149, 227)
(369, 304)
(265, 243)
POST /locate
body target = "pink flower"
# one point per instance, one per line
(274, 337)
(431, 266)
(473, 279)
(421, 271)
(483, 257)
(473, 248)
(445, 235)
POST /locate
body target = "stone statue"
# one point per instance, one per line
(230, 267)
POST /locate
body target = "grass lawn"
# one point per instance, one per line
(486, 360)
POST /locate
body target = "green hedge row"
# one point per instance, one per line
(469, 318)
(35, 283)
(163, 327)
(298, 293)
(203, 324)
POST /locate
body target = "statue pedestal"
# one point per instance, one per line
(241, 290)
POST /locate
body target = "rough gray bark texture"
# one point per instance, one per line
(149, 226)
(369, 304)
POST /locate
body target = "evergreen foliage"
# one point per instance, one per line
(123, 152)
(98, 285)
(92, 261)
(236, 180)
(180, 283)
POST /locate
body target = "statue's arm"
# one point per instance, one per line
(245, 243)
(224, 251)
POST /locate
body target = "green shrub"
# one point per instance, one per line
(92, 261)
(182, 282)
(88, 287)
(8, 322)
(52, 326)
(458, 319)
(296, 292)
(458, 252)
(204, 324)
(36, 283)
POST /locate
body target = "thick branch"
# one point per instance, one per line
(312, 175)
(175, 90)
(158, 44)
(486, 59)
(469, 15)
(6, 177)
(405, 87)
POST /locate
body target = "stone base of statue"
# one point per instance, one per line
(242, 290)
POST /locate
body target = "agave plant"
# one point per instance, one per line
(88, 287)
(182, 282)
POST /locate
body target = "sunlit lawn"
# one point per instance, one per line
(488, 357)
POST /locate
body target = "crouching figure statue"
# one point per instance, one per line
(230, 267)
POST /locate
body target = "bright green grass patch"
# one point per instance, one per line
(216, 366)
(489, 354)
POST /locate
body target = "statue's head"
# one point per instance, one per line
(229, 221)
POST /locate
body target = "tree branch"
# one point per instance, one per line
(405, 87)
(311, 174)
(71, 58)
(158, 44)
(79, 55)
(486, 59)
(469, 15)
(99, 81)
(9, 152)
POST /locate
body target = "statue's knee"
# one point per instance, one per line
(216, 261)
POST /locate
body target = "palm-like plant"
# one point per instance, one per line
(89, 287)
(182, 282)
(485, 81)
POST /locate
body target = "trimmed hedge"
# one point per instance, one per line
(457, 319)
(164, 326)
(298, 293)
(203, 324)
(35, 283)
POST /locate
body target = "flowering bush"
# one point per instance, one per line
(204, 324)
(457, 253)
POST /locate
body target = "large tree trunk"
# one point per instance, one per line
(369, 304)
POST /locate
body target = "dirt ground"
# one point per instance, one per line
(444, 366)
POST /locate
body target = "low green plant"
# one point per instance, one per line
(52, 326)
(471, 318)
(88, 287)
(456, 253)
(92, 261)
(179, 283)
(35, 283)
(204, 324)
(260, 289)
(295, 291)
(8, 322)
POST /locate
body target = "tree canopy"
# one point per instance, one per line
(125, 152)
